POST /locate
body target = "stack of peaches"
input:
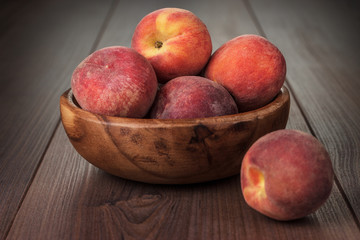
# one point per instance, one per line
(170, 73)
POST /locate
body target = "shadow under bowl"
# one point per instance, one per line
(170, 151)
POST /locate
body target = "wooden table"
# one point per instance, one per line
(47, 191)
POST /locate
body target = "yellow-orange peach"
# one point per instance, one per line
(115, 81)
(251, 68)
(175, 41)
(286, 175)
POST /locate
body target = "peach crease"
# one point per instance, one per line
(256, 183)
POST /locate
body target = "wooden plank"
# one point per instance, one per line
(323, 58)
(71, 199)
(39, 48)
(79, 201)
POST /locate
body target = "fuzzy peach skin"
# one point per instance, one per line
(286, 175)
(192, 97)
(251, 68)
(115, 81)
(175, 41)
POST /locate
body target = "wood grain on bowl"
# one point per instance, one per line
(168, 151)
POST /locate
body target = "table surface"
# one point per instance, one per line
(48, 191)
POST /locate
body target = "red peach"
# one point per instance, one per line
(192, 97)
(115, 81)
(175, 41)
(251, 68)
(286, 175)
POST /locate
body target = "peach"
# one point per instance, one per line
(251, 68)
(115, 81)
(192, 97)
(175, 41)
(286, 175)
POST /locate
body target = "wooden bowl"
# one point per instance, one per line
(168, 151)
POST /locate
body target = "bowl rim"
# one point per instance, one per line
(68, 99)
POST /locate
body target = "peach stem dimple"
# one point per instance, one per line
(158, 44)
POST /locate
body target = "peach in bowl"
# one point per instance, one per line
(170, 151)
